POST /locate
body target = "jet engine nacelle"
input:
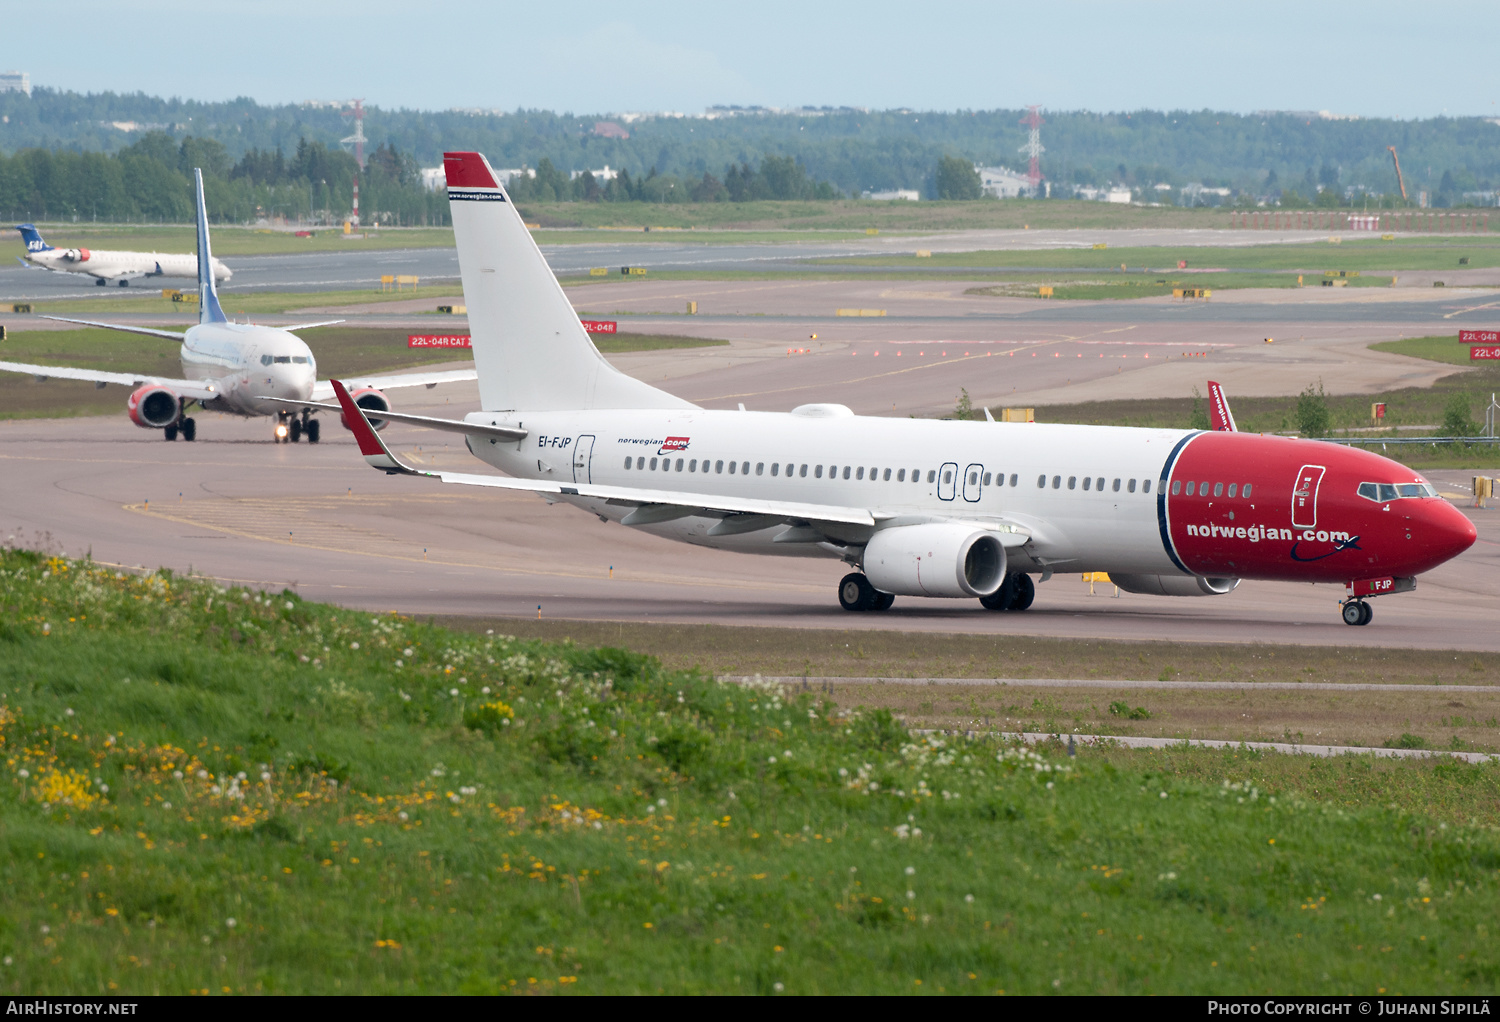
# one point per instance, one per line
(154, 406)
(1174, 585)
(935, 559)
(371, 400)
(77, 255)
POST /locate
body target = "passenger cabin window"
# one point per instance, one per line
(628, 462)
(718, 466)
(732, 466)
(1231, 489)
(744, 468)
(679, 464)
(1190, 487)
(887, 477)
(932, 475)
(846, 471)
(1057, 482)
(1072, 482)
(775, 468)
(1177, 487)
(1145, 486)
(1099, 484)
(1087, 483)
(803, 473)
(1246, 492)
(817, 471)
(1041, 482)
(986, 479)
(947, 476)
(653, 463)
(1218, 489)
(1130, 486)
(790, 469)
(760, 468)
(901, 476)
(1013, 479)
(861, 473)
(1116, 487)
(693, 465)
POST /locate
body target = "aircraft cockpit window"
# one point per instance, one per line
(1387, 491)
(283, 358)
(1382, 492)
(265, 360)
(300, 359)
(1415, 490)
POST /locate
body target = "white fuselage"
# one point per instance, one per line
(247, 362)
(898, 468)
(124, 265)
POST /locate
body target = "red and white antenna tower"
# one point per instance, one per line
(1033, 148)
(357, 140)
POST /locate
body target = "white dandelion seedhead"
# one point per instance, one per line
(969, 899)
(408, 651)
(661, 802)
(402, 815)
(231, 922)
(910, 895)
(911, 871)
(354, 645)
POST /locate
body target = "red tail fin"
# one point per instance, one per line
(1220, 418)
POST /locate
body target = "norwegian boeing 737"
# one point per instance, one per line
(916, 507)
(237, 368)
(120, 267)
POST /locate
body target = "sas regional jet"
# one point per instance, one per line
(915, 507)
(120, 267)
(231, 367)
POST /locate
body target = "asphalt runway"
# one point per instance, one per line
(314, 518)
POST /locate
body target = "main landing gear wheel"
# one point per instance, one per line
(856, 593)
(1358, 612)
(189, 430)
(294, 430)
(312, 430)
(1015, 593)
(170, 433)
(124, 283)
(100, 282)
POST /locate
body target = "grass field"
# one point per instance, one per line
(252, 303)
(236, 792)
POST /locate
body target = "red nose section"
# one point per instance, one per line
(1445, 531)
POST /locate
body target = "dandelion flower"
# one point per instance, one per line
(402, 815)
(661, 802)
(230, 922)
(69, 711)
(911, 894)
(485, 690)
(46, 929)
(770, 759)
(23, 773)
(778, 987)
(650, 809)
(408, 651)
(1163, 794)
(969, 898)
(911, 871)
(354, 645)
(453, 691)
(265, 775)
(400, 664)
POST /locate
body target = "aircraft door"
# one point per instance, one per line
(583, 457)
(947, 480)
(1305, 496)
(973, 482)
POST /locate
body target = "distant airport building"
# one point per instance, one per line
(606, 174)
(15, 81)
(909, 194)
(1002, 182)
(435, 178)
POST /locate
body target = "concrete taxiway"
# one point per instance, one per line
(239, 508)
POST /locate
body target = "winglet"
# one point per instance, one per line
(208, 295)
(1220, 418)
(370, 445)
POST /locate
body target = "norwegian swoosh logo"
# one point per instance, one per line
(1352, 543)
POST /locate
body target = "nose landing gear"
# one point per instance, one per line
(1357, 612)
(291, 427)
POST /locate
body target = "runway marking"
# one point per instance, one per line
(239, 517)
(1189, 686)
(1470, 308)
(912, 369)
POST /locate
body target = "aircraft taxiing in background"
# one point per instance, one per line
(237, 368)
(121, 267)
(918, 507)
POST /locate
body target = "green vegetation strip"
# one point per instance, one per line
(250, 303)
(224, 790)
(1315, 259)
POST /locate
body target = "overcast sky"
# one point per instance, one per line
(586, 56)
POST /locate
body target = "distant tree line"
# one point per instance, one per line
(1454, 159)
(777, 177)
(152, 181)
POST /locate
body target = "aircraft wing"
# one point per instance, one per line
(651, 505)
(198, 390)
(168, 334)
(506, 433)
(323, 389)
(309, 326)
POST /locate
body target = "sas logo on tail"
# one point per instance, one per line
(674, 443)
(36, 245)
